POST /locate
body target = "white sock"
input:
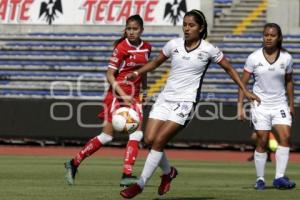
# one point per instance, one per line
(137, 135)
(282, 157)
(164, 164)
(104, 138)
(152, 161)
(260, 163)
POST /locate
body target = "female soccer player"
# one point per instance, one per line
(130, 53)
(271, 67)
(190, 57)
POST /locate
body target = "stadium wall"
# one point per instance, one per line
(286, 14)
(61, 121)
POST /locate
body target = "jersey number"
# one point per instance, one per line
(283, 115)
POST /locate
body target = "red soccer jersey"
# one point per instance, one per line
(127, 58)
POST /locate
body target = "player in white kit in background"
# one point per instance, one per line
(271, 68)
(190, 58)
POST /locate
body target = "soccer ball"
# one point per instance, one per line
(125, 120)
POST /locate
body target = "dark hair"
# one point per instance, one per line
(274, 25)
(136, 18)
(200, 19)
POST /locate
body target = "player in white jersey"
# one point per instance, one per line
(271, 67)
(190, 57)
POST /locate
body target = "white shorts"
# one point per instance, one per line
(178, 112)
(263, 118)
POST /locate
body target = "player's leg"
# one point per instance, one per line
(261, 120)
(130, 156)
(260, 158)
(282, 157)
(167, 130)
(89, 148)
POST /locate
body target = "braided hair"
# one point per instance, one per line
(200, 19)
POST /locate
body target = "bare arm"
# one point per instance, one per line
(148, 66)
(245, 79)
(115, 86)
(290, 92)
(236, 78)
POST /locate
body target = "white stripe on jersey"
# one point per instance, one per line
(269, 78)
(187, 69)
(138, 50)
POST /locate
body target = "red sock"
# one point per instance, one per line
(131, 153)
(91, 147)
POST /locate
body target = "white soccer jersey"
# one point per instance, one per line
(188, 68)
(269, 78)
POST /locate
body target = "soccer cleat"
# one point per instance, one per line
(131, 191)
(71, 171)
(283, 183)
(260, 185)
(166, 179)
(128, 180)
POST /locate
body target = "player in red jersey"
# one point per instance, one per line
(130, 53)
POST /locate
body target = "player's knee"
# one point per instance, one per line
(148, 140)
(137, 135)
(104, 138)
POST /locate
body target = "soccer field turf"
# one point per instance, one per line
(42, 178)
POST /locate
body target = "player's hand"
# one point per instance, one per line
(128, 100)
(241, 113)
(131, 76)
(252, 97)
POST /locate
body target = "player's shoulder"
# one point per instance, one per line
(286, 54)
(256, 54)
(122, 45)
(147, 44)
(176, 41)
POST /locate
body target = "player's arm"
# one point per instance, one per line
(110, 75)
(148, 66)
(290, 92)
(245, 79)
(229, 69)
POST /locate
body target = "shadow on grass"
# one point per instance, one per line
(186, 198)
(266, 188)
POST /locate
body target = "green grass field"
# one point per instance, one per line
(42, 178)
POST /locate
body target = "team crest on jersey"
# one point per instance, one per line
(202, 56)
(282, 66)
(176, 51)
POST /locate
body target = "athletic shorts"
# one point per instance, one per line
(180, 112)
(111, 104)
(263, 118)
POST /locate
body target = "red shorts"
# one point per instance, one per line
(111, 103)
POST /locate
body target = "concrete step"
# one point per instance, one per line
(233, 25)
(250, 29)
(235, 20)
(243, 9)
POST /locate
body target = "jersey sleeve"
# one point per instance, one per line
(167, 49)
(216, 54)
(116, 58)
(289, 68)
(249, 65)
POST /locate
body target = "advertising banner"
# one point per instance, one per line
(94, 12)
